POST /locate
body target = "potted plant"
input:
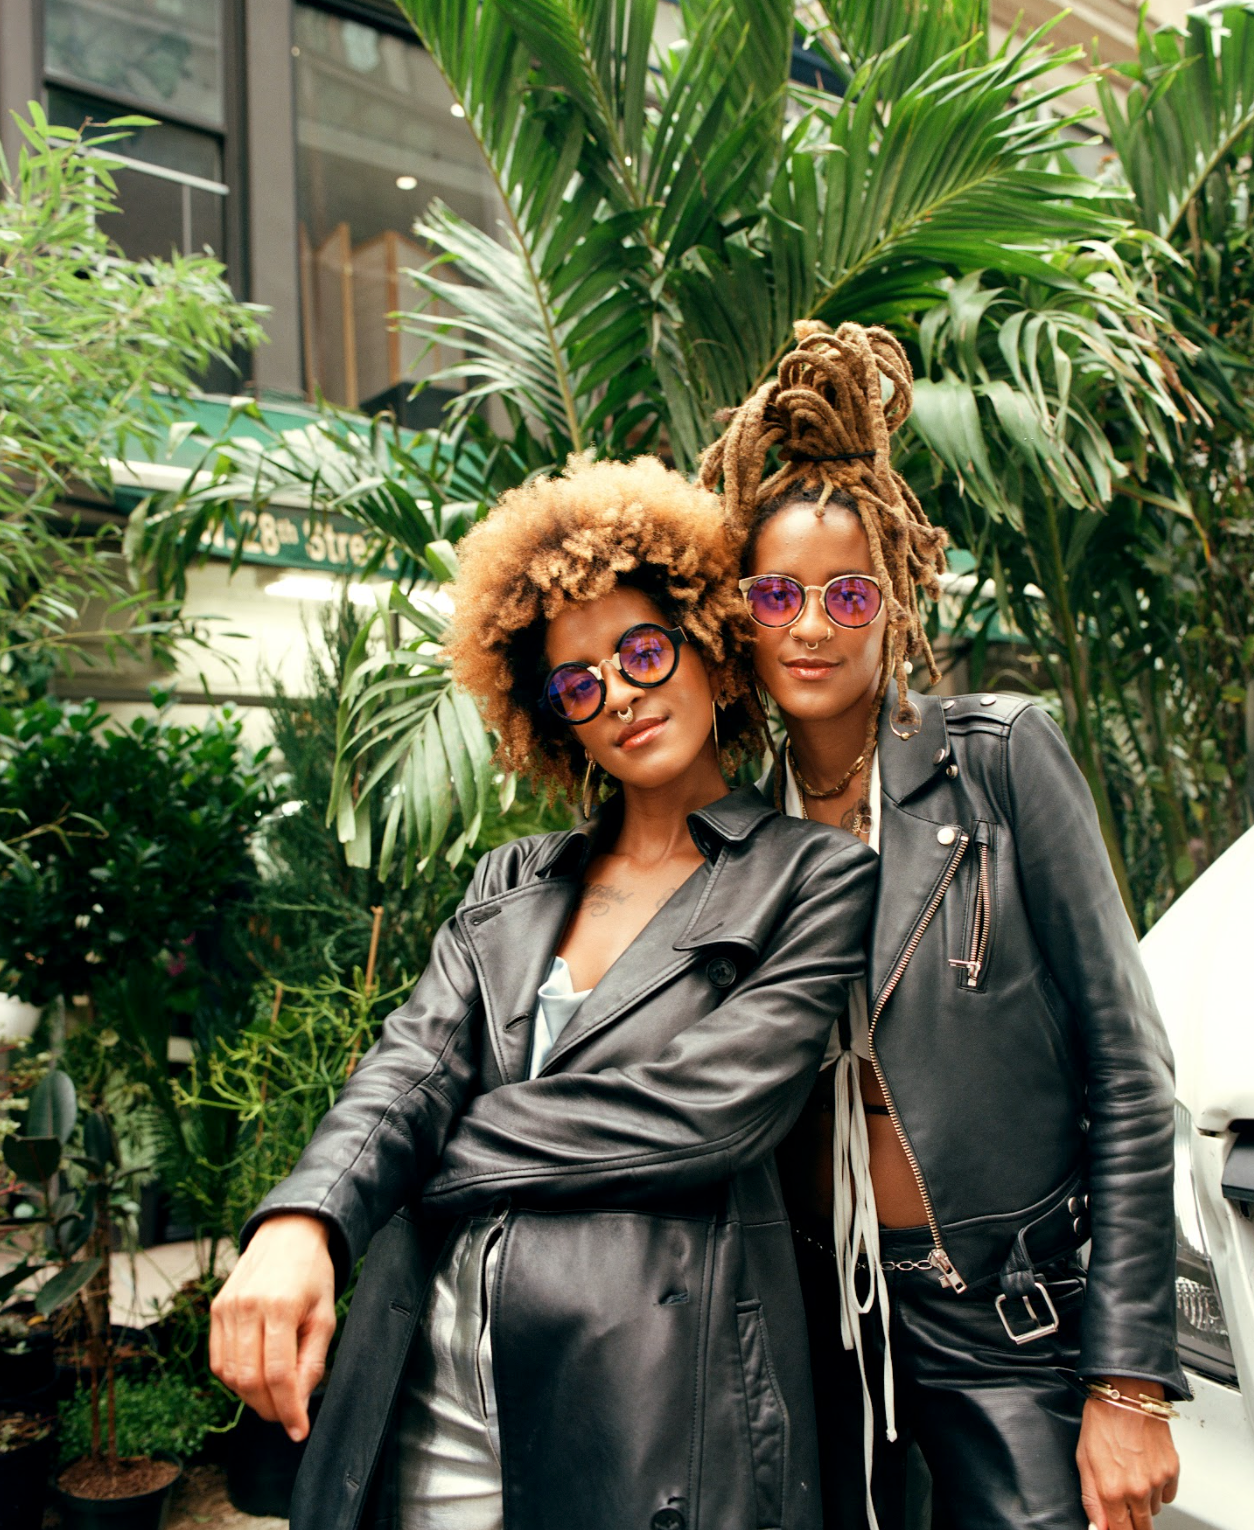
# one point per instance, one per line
(26, 1444)
(274, 1080)
(101, 1482)
(48, 1227)
(162, 1420)
(46, 1230)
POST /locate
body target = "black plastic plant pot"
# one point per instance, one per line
(141, 1511)
(261, 1464)
(24, 1483)
(27, 1372)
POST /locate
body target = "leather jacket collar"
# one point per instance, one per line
(907, 765)
(729, 821)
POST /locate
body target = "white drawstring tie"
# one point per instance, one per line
(855, 1228)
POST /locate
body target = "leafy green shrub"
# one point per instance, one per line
(122, 842)
(158, 1414)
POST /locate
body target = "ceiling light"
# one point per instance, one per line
(406, 182)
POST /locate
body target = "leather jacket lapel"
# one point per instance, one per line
(648, 963)
(512, 939)
(926, 849)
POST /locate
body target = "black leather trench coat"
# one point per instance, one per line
(1015, 1030)
(647, 1332)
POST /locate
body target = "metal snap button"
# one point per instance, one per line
(721, 972)
(668, 1519)
(952, 772)
(948, 706)
(939, 756)
(947, 835)
(987, 701)
(1078, 1225)
(1073, 1205)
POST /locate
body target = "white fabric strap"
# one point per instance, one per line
(855, 1228)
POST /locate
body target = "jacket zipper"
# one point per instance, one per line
(981, 925)
(938, 1258)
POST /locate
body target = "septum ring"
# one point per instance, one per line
(814, 646)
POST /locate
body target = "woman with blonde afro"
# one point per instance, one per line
(579, 1302)
(998, 1093)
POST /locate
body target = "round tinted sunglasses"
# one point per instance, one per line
(646, 654)
(775, 600)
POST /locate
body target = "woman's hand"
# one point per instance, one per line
(1128, 1465)
(272, 1322)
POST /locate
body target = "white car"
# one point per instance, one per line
(1197, 957)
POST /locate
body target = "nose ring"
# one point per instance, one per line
(627, 716)
(813, 646)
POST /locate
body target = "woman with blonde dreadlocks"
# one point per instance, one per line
(1001, 1092)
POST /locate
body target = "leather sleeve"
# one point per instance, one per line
(720, 1096)
(387, 1129)
(1090, 948)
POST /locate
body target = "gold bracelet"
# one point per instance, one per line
(1151, 1407)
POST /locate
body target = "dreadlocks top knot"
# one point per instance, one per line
(828, 424)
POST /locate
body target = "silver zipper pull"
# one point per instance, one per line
(940, 1260)
(972, 966)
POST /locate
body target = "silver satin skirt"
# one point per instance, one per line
(447, 1430)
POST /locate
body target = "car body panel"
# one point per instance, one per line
(1197, 957)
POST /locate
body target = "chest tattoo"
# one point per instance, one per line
(601, 898)
(666, 897)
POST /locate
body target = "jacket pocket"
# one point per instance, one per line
(768, 1418)
(972, 964)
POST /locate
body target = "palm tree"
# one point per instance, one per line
(668, 215)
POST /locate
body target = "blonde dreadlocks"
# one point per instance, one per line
(825, 417)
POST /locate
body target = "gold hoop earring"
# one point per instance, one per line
(586, 797)
(714, 720)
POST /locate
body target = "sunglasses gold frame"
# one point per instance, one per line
(745, 585)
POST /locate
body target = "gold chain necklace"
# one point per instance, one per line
(833, 791)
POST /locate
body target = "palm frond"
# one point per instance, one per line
(1190, 106)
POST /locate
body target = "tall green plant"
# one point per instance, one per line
(618, 319)
(92, 346)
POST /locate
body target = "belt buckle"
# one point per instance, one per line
(1042, 1329)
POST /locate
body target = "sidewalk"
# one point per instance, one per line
(140, 1287)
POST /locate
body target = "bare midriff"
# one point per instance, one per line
(898, 1202)
(805, 1160)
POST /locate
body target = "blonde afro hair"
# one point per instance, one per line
(568, 540)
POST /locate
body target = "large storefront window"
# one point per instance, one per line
(377, 140)
(163, 59)
(163, 54)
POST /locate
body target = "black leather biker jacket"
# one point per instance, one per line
(1014, 1029)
